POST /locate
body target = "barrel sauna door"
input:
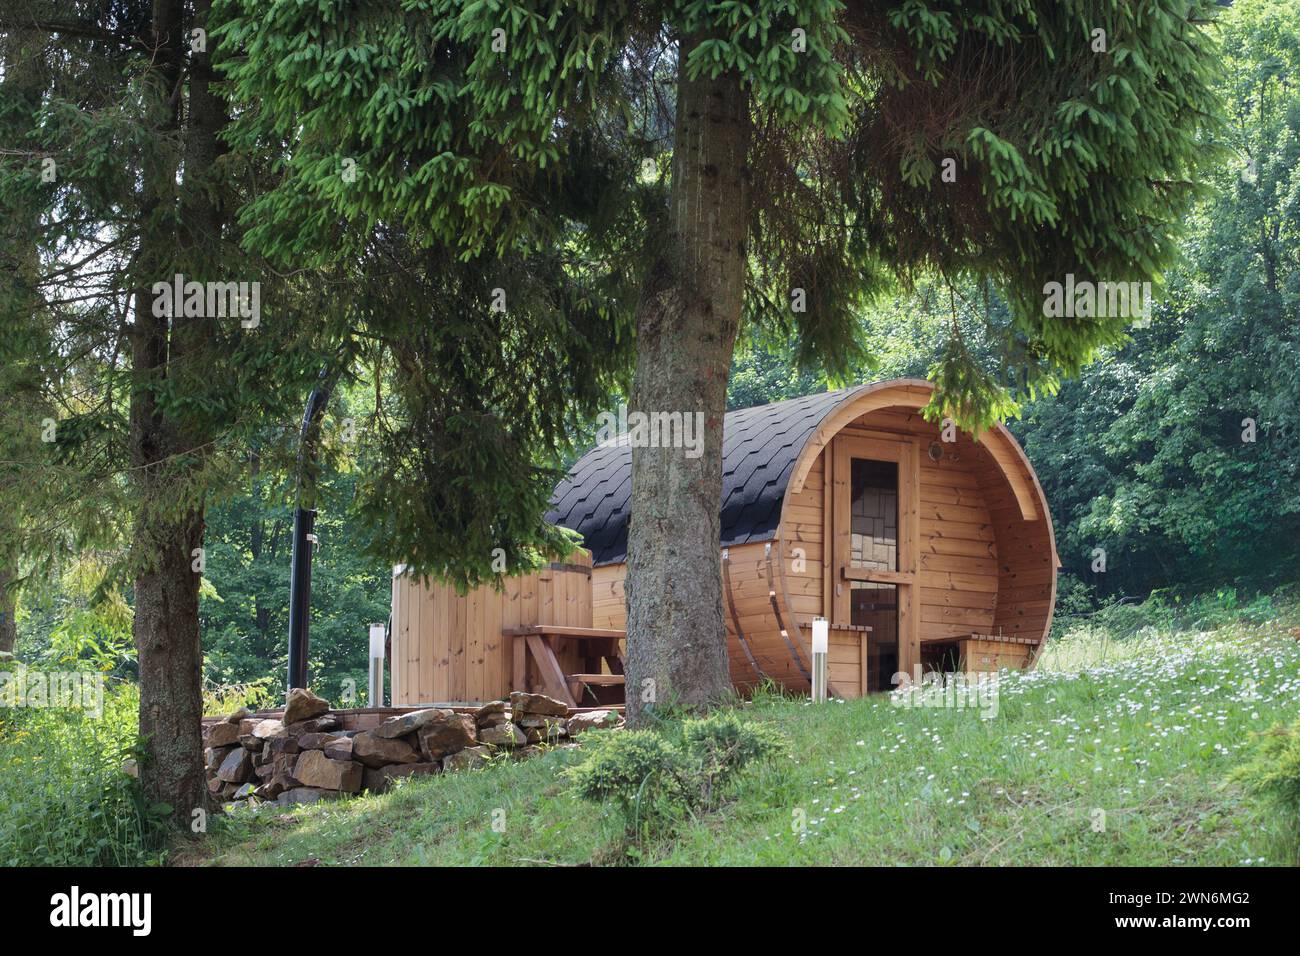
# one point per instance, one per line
(875, 548)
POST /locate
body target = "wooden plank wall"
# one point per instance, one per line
(806, 574)
(1026, 565)
(448, 648)
(846, 665)
(608, 602)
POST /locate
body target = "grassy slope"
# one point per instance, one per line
(1145, 730)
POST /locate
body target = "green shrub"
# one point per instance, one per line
(1273, 772)
(720, 746)
(655, 779)
(639, 772)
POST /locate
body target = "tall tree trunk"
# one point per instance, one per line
(167, 453)
(8, 626)
(686, 329)
(22, 55)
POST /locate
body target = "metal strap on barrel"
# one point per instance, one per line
(735, 616)
(776, 609)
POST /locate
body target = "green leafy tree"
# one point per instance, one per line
(115, 170)
(772, 161)
(1175, 455)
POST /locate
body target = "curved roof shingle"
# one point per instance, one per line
(760, 447)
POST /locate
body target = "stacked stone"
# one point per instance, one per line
(305, 755)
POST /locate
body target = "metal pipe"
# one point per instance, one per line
(304, 538)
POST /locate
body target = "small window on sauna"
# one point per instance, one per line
(874, 544)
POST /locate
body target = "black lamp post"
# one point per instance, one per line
(304, 520)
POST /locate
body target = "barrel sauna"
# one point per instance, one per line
(450, 648)
(924, 547)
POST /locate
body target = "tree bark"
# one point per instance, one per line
(167, 453)
(22, 56)
(8, 626)
(686, 328)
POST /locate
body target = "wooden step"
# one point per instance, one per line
(600, 680)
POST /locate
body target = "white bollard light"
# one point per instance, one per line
(820, 648)
(375, 696)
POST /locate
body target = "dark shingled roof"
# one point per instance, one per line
(760, 446)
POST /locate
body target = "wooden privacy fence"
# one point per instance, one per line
(453, 648)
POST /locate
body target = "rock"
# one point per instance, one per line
(271, 789)
(302, 704)
(223, 735)
(246, 726)
(316, 741)
(539, 704)
(314, 769)
(215, 786)
(244, 792)
(378, 780)
(340, 749)
(265, 772)
(466, 759)
(447, 734)
(492, 713)
(376, 751)
(216, 756)
(266, 729)
(307, 795)
(591, 719)
(283, 745)
(525, 753)
(317, 725)
(404, 724)
(551, 733)
(282, 765)
(237, 767)
(502, 735)
(250, 743)
(242, 714)
(529, 721)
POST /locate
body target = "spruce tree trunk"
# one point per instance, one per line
(8, 626)
(686, 328)
(22, 58)
(171, 664)
(167, 453)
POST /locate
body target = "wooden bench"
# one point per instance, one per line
(537, 641)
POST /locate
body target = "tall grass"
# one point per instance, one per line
(65, 799)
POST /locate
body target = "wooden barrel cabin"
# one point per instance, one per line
(919, 551)
(922, 547)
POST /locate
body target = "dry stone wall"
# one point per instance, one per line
(306, 754)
